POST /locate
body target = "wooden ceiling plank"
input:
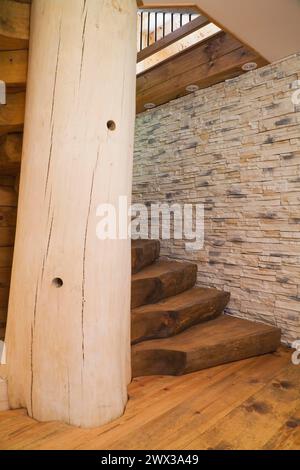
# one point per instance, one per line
(163, 94)
(204, 75)
(201, 53)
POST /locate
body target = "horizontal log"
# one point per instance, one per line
(8, 216)
(4, 293)
(12, 114)
(10, 153)
(8, 196)
(13, 68)
(3, 315)
(14, 25)
(7, 236)
(5, 275)
(7, 180)
(6, 257)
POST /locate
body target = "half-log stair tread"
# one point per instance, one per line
(143, 253)
(175, 314)
(225, 339)
(162, 279)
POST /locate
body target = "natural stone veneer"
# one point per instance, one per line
(236, 148)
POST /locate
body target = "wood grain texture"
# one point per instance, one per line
(175, 314)
(7, 180)
(13, 68)
(3, 389)
(164, 278)
(219, 341)
(7, 236)
(143, 253)
(206, 51)
(211, 61)
(6, 256)
(8, 197)
(262, 416)
(3, 395)
(14, 25)
(8, 201)
(8, 216)
(12, 114)
(175, 412)
(5, 276)
(10, 153)
(81, 75)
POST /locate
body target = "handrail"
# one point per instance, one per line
(175, 35)
(154, 23)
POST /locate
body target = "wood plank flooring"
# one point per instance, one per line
(251, 404)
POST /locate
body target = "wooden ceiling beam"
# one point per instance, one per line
(14, 25)
(209, 62)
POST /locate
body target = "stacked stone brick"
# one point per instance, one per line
(235, 147)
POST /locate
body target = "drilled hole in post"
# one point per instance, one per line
(111, 125)
(57, 282)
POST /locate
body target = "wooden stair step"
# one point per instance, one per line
(162, 279)
(143, 253)
(225, 339)
(175, 314)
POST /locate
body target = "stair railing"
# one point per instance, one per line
(158, 29)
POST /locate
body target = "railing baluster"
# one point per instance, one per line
(168, 25)
(141, 33)
(148, 31)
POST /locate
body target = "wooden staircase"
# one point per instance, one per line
(177, 328)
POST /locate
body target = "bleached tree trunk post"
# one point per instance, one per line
(68, 338)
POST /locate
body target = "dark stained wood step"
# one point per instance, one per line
(143, 253)
(175, 314)
(225, 339)
(162, 279)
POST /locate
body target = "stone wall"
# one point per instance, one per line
(236, 148)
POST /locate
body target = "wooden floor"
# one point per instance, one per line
(251, 404)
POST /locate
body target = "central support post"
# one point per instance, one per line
(68, 338)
